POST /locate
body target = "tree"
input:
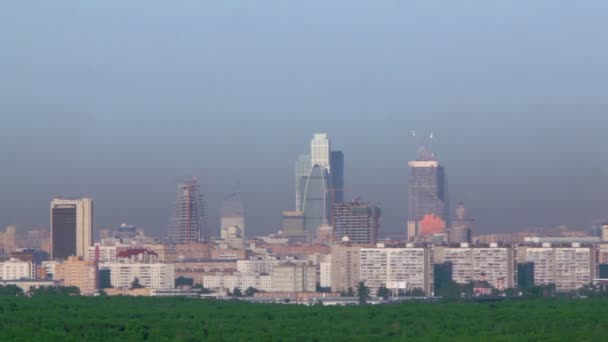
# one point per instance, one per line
(135, 284)
(363, 293)
(350, 292)
(251, 291)
(183, 281)
(55, 291)
(204, 290)
(383, 292)
(237, 292)
(10, 290)
(416, 292)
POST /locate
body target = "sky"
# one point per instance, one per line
(120, 100)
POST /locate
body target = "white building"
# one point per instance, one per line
(320, 151)
(102, 253)
(261, 266)
(151, 275)
(233, 237)
(15, 269)
(569, 268)
(242, 281)
(292, 277)
(71, 227)
(325, 272)
(494, 264)
(397, 268)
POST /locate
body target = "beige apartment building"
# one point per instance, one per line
(75, 271)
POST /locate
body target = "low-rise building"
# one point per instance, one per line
(75, 271)
(151, 275)
(14, 269)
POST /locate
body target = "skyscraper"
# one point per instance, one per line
(319, 182)
(337, 176)
(233, 212)
(460, 230)
(316, 199)
(427, 197)
(71, 227)
(320, 151)
(189, 221)
(358, 221)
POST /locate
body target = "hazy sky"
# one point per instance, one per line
(119, 100)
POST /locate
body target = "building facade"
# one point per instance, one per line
(151, 275)
(428, 210)
(75, 271)
(71, 227)
(189, 223)
(15, 269)
(399, 269)
(294, 277)
(359, 222)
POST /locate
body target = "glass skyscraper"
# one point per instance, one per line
(428, 211)
(319, 183)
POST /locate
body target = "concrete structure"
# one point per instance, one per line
(292, 277)
(568, 267)
(460, 230)
(428, 211)
(293, 227)
(152, 275)
(229, 281)
(358, 221)
(71, 227)
(233, 237)
(7, 240)
(189, 222)
(233, 213)
(325, 273)
(399, 269)
(75, 271)
(319, 183)
(345, 267)
(494, 264)
(261, 266)
(15, 269)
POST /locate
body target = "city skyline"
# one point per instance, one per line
(515, 98)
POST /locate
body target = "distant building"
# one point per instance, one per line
(233, 237)
(150, 275)
(294, 277)
(220, 281)
(319, 183)
(358, 221)
(75, 271)
(7, 240)
(428, 211)
(460, 230)
(345, 267)
(15, 269)
(189, 222)
(568, 267)
(71, 227)
(293, 227)
(494, 264)
(233, 212)
(399, 269)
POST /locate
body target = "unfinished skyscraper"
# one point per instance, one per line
(189, 222)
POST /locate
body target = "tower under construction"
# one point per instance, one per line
(189, 222)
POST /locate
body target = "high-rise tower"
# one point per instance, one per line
(189, 222)
(427, 197)
(233, 212)
(71, 227)
(319, 182)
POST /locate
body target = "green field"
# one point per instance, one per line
(72, 318)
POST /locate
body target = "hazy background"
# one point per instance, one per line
(119, 100)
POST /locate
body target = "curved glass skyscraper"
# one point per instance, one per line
(316, 202)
